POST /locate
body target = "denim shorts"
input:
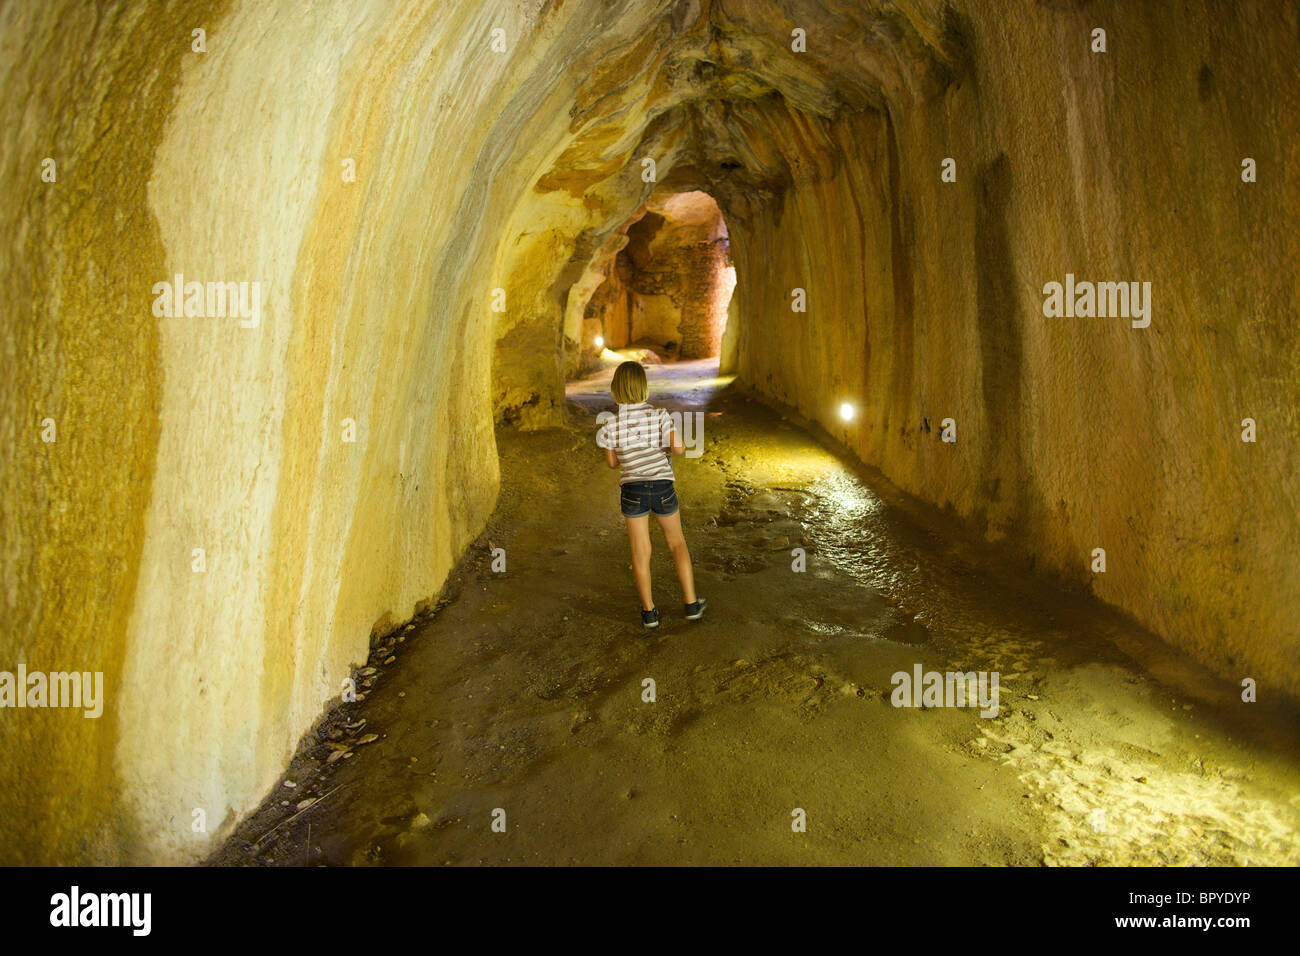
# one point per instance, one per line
(639, 498)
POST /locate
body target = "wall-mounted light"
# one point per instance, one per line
(600, 341)
(847, 411)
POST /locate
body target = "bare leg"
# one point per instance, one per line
(672, 529)
(638, 532)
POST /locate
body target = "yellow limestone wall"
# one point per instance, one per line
(1072, 433)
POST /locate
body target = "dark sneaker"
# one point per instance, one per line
(696, 611)
(650, 618)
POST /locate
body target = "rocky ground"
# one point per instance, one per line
(522, 697)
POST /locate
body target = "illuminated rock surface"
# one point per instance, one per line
(506, 179)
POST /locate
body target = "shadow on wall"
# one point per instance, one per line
(1001, 350)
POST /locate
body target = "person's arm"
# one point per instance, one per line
(603, 439)
(675, 445)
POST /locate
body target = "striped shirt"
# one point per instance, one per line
(640, 436)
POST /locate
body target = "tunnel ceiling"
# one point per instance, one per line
(730, 102)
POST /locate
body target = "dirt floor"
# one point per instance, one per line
(522, 698)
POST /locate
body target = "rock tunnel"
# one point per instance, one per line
(281, 281)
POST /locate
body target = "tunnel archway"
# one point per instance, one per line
(665, 290)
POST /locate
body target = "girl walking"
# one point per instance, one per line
(639, 440)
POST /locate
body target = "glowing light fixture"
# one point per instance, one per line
(600, 341)
(847, 411)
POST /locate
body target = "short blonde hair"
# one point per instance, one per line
(629, 386)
